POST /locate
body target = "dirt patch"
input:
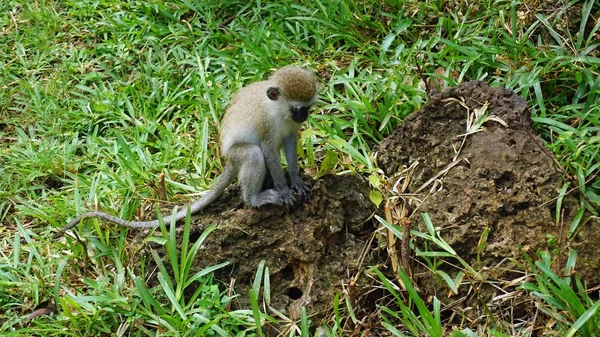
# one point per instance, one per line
(503, 180)
(309, 251)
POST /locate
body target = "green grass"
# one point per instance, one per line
(98, 99)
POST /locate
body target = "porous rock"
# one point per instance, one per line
(506, 181)
(308, 250)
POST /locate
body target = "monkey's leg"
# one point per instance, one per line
(291, 155)
(273, 164)
(251, 175)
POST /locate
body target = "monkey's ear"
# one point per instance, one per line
(273, 93)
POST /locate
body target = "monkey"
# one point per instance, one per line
(261, 119)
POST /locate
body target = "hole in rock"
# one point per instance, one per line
(294, 293)
(287, 273)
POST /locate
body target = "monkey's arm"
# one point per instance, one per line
(291, 156)
(273, 161)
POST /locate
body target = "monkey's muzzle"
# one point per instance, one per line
(300, 113)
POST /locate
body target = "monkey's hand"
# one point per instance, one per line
(286, 196)
(302, 188)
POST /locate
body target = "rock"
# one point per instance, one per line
(507, 181)
(308, 250)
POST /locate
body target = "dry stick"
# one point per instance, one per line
(162, 191)
(425, 80)
(404, 220)
(405, 246)
(391, 238)
(230, 293)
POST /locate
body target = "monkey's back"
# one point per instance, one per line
(245, 118)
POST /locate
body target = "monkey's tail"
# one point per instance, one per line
(222, 182)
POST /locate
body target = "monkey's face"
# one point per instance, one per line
(300, 113)
(299, 110)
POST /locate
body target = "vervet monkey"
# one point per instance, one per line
(262, 118)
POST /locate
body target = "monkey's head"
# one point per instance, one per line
(297, 87)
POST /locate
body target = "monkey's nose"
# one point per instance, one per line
(300, 113)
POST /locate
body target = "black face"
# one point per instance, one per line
(300, 113)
